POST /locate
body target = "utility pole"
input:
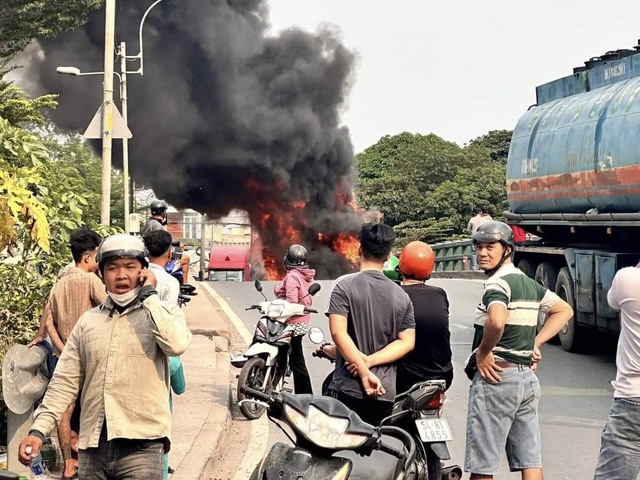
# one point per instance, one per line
(107, 110)
(125, 141)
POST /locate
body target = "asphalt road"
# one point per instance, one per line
(576, 393)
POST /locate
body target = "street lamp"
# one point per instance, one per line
(122, 76)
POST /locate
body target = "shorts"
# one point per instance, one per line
(503, 417)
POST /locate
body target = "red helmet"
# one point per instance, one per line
(417, 260)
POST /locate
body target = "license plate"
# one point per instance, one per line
(434, 430)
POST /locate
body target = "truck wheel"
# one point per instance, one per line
(546, 275)
(527, 268)
(570, 335)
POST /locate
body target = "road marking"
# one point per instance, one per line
(259, 436)
(237, 322)
(256, 448)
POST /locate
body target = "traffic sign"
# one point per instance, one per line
(119, 129)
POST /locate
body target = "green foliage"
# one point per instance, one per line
(396, 175)
(497, 142)
(427, 187)
(23, 20)
(16, 107)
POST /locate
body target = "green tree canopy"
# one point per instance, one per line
(23, 20)
(497, 142)
(427, 187)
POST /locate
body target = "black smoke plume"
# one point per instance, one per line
(227, 115)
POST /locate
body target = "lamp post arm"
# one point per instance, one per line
(140, 53)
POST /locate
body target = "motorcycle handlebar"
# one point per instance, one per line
(310, 310)
(253, 307)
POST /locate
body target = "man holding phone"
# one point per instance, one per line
(117, 356)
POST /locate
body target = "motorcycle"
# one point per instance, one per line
(331, 442)
(418, 411)
(265, 364)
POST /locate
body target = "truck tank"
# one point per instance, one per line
(578, 150)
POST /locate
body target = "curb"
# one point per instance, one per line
(198, 433)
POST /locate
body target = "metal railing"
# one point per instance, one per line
(452, 256)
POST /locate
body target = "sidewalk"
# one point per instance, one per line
(201, 414)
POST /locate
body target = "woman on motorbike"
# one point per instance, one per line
(294, 288)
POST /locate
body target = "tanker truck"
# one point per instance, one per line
(573, 183)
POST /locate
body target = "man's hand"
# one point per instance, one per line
(536, 356)
(36, 341)
(372, 384)
(487, 367)
(147, 278)
(29, 447)
(327, 350)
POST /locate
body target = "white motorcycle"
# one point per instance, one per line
(264, 366)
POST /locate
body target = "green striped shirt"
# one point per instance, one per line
(524, 298)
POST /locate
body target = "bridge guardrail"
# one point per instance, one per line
(453, 256)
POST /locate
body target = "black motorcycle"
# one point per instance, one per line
(331, 442)
(417, 411)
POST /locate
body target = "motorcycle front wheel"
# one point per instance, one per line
(252, 375)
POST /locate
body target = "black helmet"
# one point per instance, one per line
(296, 256)
(491, 232)
(121, 245)
(158, 207)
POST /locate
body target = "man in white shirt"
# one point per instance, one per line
(158, 244)
(620, 444)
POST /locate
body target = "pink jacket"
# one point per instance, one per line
(293, 287)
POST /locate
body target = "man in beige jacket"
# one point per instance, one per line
(117, 356)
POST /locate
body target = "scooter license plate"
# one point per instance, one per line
(434, 430)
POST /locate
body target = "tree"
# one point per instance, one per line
(16, 107)
(427, 187)
(23, 20)
(497, 141)
(396, 174)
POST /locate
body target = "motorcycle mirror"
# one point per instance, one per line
(259, 288)
(316, 335)
(314, 288)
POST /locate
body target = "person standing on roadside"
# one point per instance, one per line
(294, 288)
(431, 357)
(619, 457)
(158, 221)
(479, 217)
(158, 244)
(117, 355)
(504, 394)
(79, 289)
(372, 324)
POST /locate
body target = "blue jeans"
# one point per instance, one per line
(503, 417)
(122, 459)
(620, 444)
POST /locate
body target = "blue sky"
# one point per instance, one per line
(458, 69)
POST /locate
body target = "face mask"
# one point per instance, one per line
(125, 299)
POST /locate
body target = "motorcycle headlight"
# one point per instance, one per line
(324, 430)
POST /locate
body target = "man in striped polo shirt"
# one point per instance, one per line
(504, 395)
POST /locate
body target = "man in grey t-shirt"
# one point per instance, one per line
(372, 324)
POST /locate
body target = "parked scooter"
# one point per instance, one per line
(331, 442)
(265, 364)
(419, 412)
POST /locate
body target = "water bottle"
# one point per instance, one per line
(37, 466)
